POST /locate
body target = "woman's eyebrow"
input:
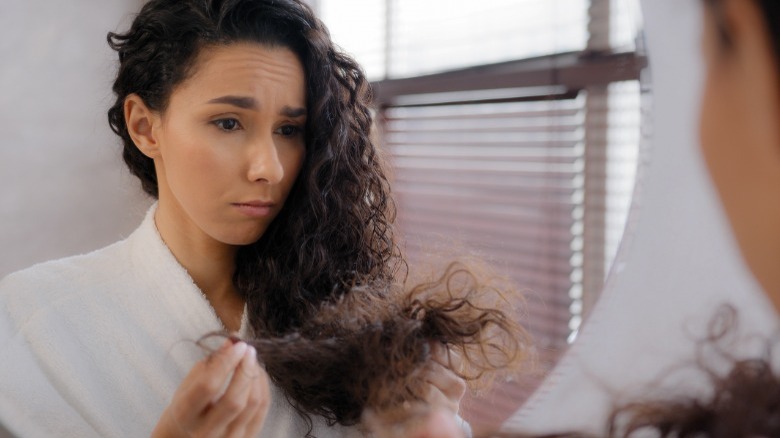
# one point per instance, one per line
(239, 101)
(293, 113)
(246, 102)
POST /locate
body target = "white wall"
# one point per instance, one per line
(677, 268)
(63, 188)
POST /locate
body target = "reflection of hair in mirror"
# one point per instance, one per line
(334, 327)
(744, 402)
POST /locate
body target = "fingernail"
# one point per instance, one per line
(251, 354)
(239, 348)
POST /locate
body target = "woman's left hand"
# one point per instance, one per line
(433, 417)
(446, 387)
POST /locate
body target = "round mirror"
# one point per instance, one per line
(647, 337)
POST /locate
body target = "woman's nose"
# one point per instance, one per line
(265, 164)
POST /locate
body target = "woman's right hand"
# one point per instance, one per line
(207, 405)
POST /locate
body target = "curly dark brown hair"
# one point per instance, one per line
(370, 348)
(333, 318)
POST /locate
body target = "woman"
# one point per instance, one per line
(740, 140)
(273, 218)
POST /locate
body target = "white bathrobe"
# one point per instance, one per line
(96, 345)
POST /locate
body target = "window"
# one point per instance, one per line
(513, 128)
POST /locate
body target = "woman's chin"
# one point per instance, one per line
(241, 238)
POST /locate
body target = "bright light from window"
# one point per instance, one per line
(437, 35)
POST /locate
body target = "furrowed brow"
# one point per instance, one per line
(293, 113)
(238, 101)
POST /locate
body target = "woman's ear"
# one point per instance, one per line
(141, 123)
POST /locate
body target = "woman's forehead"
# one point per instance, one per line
(246, 69)
(274, 63)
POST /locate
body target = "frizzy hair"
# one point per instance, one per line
(370, 349)
(332, 315)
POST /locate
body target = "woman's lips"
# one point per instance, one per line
(255, 209)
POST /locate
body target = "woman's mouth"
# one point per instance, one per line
(255, 209)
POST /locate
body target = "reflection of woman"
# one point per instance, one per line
(252, 132)
(740, 139)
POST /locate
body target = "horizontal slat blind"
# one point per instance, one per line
(505, 190)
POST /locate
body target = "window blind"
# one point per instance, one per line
(500, 178)
(505, 180)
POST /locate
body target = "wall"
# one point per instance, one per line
(63, 188)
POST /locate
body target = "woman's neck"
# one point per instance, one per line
(209, 262)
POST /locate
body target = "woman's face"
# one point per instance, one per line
(739, 133)
(230, 143)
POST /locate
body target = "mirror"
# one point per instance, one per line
(681, 266)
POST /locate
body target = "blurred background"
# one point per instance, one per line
(63, 187)
(514, 129)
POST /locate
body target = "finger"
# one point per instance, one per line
(436, 398)
(453, 361)
(439, 424)
(438, 351)
(187, 406)
(251, 420)
(263, 399)
(395, 423)
(207, 379)
(446, 356)
(446, 380)
(234, 400)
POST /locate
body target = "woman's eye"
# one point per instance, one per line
(289, 130)
(227, 124)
